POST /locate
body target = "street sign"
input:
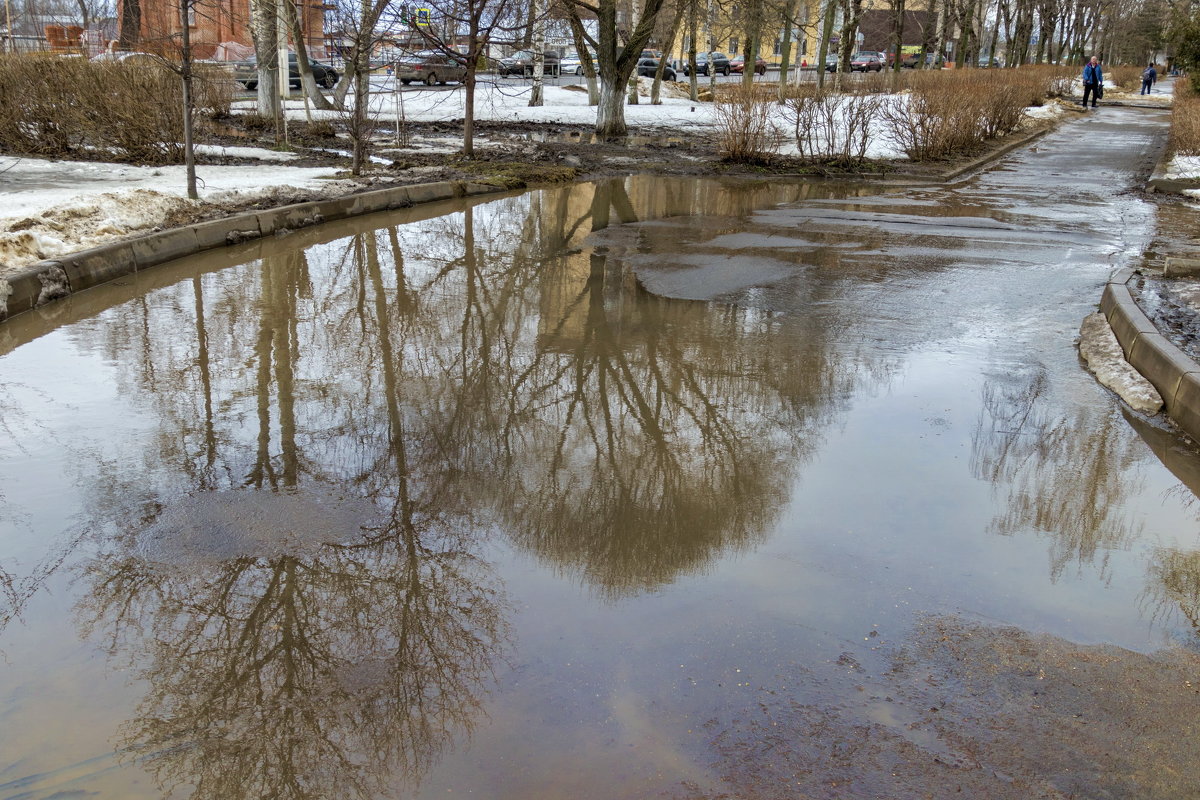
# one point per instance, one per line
(423, 16)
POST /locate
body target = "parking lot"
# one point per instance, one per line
(381, 82)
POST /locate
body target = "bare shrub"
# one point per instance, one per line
(952, 112)
(1126, 76)
(833, 127)
(1004, 97)
(1185, 120)
(214, 87)
(745, 131)
(71, 107)
(1048, 80)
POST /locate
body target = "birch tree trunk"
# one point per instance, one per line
(263, 29)
(693, 28)
(539, 56)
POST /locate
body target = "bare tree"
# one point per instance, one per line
(481, 20)
(617, 51)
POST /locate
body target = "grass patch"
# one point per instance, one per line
(515, 174)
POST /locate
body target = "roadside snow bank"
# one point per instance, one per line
(1182, 168)
(55, 207)
(83, 222)
(1099, 347)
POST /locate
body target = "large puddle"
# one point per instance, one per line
(435, 504)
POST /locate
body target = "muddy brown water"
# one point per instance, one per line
(644, 488)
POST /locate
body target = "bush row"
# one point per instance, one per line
(1185, 120)
(955, 112)
(63, 107)
(930, 115)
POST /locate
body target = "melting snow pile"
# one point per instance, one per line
(82, 223)
(1100, 349)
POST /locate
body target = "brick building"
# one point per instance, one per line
(218, 28)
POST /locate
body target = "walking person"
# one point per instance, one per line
(1093, 82)
(1148, 78)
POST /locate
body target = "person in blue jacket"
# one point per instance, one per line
(1093, 81)
(1148, 78)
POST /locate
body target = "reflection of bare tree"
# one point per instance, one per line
(20, 582)
(648, 456)
(1174, 585)
(311, 675)
(291, 666)
(483, 367)
(1064, 476)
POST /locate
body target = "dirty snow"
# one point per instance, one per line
(1181, 167)
(260, 153)
(55, 207)
(1099, 347)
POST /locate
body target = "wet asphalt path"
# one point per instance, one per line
(1011, 258)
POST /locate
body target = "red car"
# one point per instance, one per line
(738, 64)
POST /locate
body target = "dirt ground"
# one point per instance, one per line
(962, 709)
(518, 155)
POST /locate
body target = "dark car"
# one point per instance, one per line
(831, 62)
(429, 67)
(246, 73)
(647, 67)
(737, 64)
(912, 60)
(521, 63)
(720, 64)
(866, 62)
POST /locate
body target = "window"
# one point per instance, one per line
(778, 47)
(733, 44)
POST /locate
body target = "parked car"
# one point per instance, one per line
(720, 64)
(429, 67)
(521, 63)
(737, 64)
(866, 62)
(647, 67)
(572, 64)
(831, 62)
(246, 73)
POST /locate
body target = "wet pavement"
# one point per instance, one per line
(646, 488)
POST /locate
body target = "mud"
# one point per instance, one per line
(1172, 304)
(964, 709)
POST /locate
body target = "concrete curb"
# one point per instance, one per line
(1158, 182)
(999, 152)
(54, 279)
(1171, 371)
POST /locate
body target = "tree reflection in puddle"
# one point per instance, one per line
(486, 373)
